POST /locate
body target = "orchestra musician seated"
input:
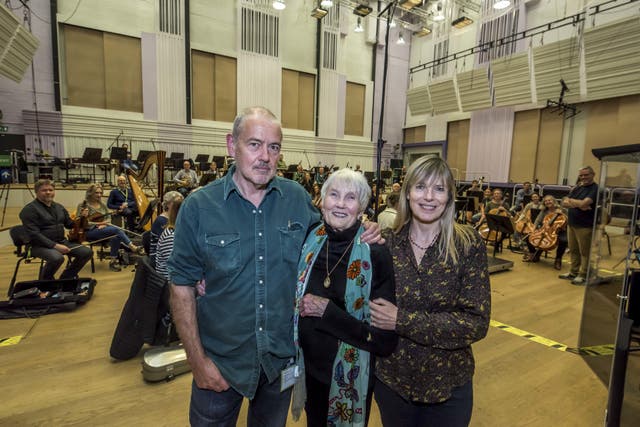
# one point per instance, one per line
(518, 203)
(186, 179)
(282, 165)
(550, 231)
(44, 221)
(209, 175)
(495, 205)
(122, 200)
(524, 222)
(92, 215)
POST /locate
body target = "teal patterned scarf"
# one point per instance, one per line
(348, 394)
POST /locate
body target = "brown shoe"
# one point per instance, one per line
(558, 264)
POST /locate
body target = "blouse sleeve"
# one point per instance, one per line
(467, 319)
(345, 327)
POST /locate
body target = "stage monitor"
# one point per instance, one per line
(142, 155)
(118, 153)
(202, 158)
(92, 155)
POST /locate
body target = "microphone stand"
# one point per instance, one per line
(390, 11)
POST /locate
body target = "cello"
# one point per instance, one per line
(545, 238)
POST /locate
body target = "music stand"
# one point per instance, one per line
(502, 226)
(91, 155)
(219, 161)
(118, 153)
(461, 206)
(202, 161)
(292, 168)
(533, 212)
(142, 156)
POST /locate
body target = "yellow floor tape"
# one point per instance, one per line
(10, 340)
(596, 350)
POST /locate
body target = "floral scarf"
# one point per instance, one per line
(348, 394)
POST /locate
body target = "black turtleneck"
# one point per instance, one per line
(319, 336)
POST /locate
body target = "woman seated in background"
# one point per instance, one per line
(97, 228)
(443, 305)
(316, 196)
(165, 242)
(550, 224)
(524, 222)
(161, 222)
(337, 276)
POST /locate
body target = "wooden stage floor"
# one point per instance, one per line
(60, 373)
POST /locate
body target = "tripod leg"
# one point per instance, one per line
(5, 192)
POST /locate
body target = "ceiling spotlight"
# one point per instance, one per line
(326, 4)
(278, 4)
(424, 31)
(410, 4)
(400, 38)
(358, 28)
(362, 9)
(461, 22)
(318, 13)
(501, 4)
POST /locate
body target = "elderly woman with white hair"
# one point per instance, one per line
(338, 275)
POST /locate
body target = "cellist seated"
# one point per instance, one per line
(495, 206)
(550, 231)
(92, 214)
(524, 222)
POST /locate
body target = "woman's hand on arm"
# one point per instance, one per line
(313, 306)
(383, 314)
(372, 233)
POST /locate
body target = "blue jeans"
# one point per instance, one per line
(398, 412)
(119, 237)
(268, 408)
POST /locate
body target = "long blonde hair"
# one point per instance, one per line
(433, 169)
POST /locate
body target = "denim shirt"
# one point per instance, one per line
(248, 257)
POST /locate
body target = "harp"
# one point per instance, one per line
(153, 168)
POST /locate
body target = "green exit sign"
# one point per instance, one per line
(4, 128)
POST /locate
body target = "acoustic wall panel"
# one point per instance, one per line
(419, 100)
(474, 89)
(612, 59)
(17, 46)
(511, 80)
(556, 61)
(443, 97)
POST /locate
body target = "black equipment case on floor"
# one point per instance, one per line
(37, 297)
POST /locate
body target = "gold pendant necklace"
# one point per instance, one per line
(327, 280)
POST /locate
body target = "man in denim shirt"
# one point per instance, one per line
(243, 235)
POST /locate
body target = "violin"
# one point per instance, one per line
(78, 230)
(546, 237)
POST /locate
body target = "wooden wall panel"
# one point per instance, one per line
(306, 108)
(123, 72)
(84, 59)
(629, 120)
(414, 134)
(458, 145)
(225, 94)
(524, 145)
(354, 109)
(549, 147)
(290, 95)
(601, 129)
(202, 84)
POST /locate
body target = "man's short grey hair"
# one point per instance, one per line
(41, 182)
(349, 179)
(240, 119)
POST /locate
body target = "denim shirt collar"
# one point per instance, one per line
(230, 185)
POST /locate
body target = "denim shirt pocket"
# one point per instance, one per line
(223, 252)
(291, 239)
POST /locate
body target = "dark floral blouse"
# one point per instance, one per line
(442, 309)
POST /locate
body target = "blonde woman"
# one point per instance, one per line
(443, 305)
